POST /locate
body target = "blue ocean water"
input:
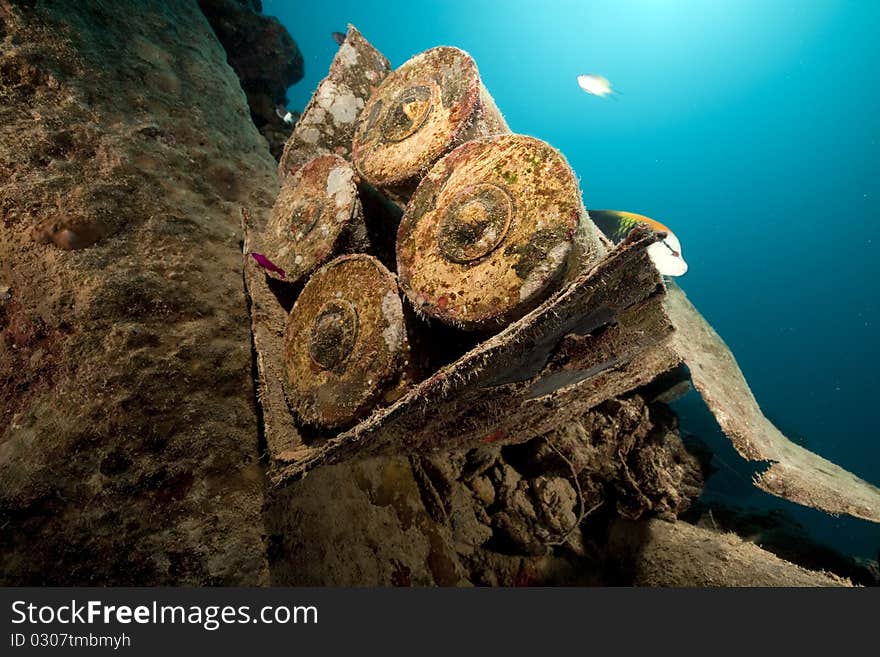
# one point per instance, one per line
(751, 128)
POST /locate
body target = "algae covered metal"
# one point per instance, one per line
(317, 214)
(421, 111)
(491, 230)
(524, 381)
(345, 342)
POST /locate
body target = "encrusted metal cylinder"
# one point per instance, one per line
(327, 124)
(317, 215)
(491, 231)
(345, 342)
(421, 111)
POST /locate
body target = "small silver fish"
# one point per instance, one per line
(285, 115)
(339, 38)
(596, 85)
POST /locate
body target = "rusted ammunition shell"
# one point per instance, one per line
(317, 215)
(421, 111)
(328, 121)
(492, 229)
(345, 342)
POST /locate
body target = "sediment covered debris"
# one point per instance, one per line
(794, 473)
(527, 514)
(658, 553)
(496, 435)
(328, 122)
(603, 335)
(577, 506)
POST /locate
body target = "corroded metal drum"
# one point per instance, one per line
(421, 111)
(327, 124)
(317, 215)
(492, 229)
(345, 342)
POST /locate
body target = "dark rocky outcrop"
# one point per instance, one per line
(535, 513)
(265, 58)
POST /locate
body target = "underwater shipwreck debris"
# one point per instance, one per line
(345, 343)
(605, 328)
(134, 424)
(268, 318)
(317, 215)
(328, 122)
(493, 227)
(432, 103)
(794, 473)
(603, 335)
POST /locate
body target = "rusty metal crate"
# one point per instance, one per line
(600, 336)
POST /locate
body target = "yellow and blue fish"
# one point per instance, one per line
(665, 254)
